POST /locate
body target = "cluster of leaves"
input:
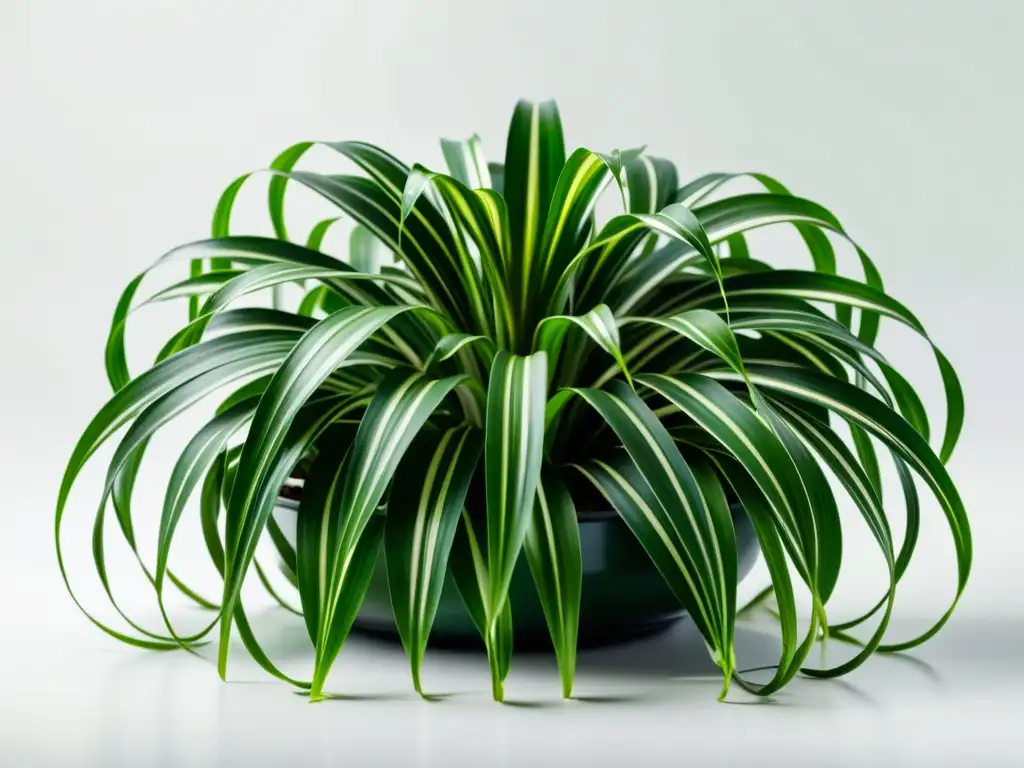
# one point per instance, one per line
(486, 331)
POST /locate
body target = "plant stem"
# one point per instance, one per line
(497, 684)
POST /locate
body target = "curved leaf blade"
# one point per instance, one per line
(552, 547)
(423, 513)
(513, 448)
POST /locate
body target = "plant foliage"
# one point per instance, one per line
(487, 327)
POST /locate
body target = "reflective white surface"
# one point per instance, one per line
(77, 699)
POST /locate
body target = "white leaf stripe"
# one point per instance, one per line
(819, 362)
(326, 524)
(531, 212)
(432, 519)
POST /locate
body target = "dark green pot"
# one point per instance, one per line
(623, 594)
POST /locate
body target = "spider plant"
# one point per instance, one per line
(487, 329)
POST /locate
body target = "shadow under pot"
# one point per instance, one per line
(623, 594)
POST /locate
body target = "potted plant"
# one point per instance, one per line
(574, 428)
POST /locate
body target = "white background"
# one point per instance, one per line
(120, 122)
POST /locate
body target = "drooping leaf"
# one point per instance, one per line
(312, 360)
(423, 513)
(552, 547)
(599, 324)
(514, 444)
(664, 507)
(399, 408)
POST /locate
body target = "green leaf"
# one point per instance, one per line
(752, 442)
(824, 526)
(348, 595)
(466, 162)
(468, 565)
(705, 329)
(594, 270)
(616, 161)
(599, 324)
(600, 262)
(663, 506)
(320, 351)
(514, 443)
(481, 219)
(650, 184)
(192, 466)
(316, 522)
(375, 203)
(764, 520)
(817, 242)
(367, 253)
(423, 513)
(742, 213)
(279, 257)
(858, 407)
(401, 405)
(552, 547)
(836, 455)
(534, 157)
(449, 346)
(833, 289)
(316, 236)
(497, 171)
(580, 183)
